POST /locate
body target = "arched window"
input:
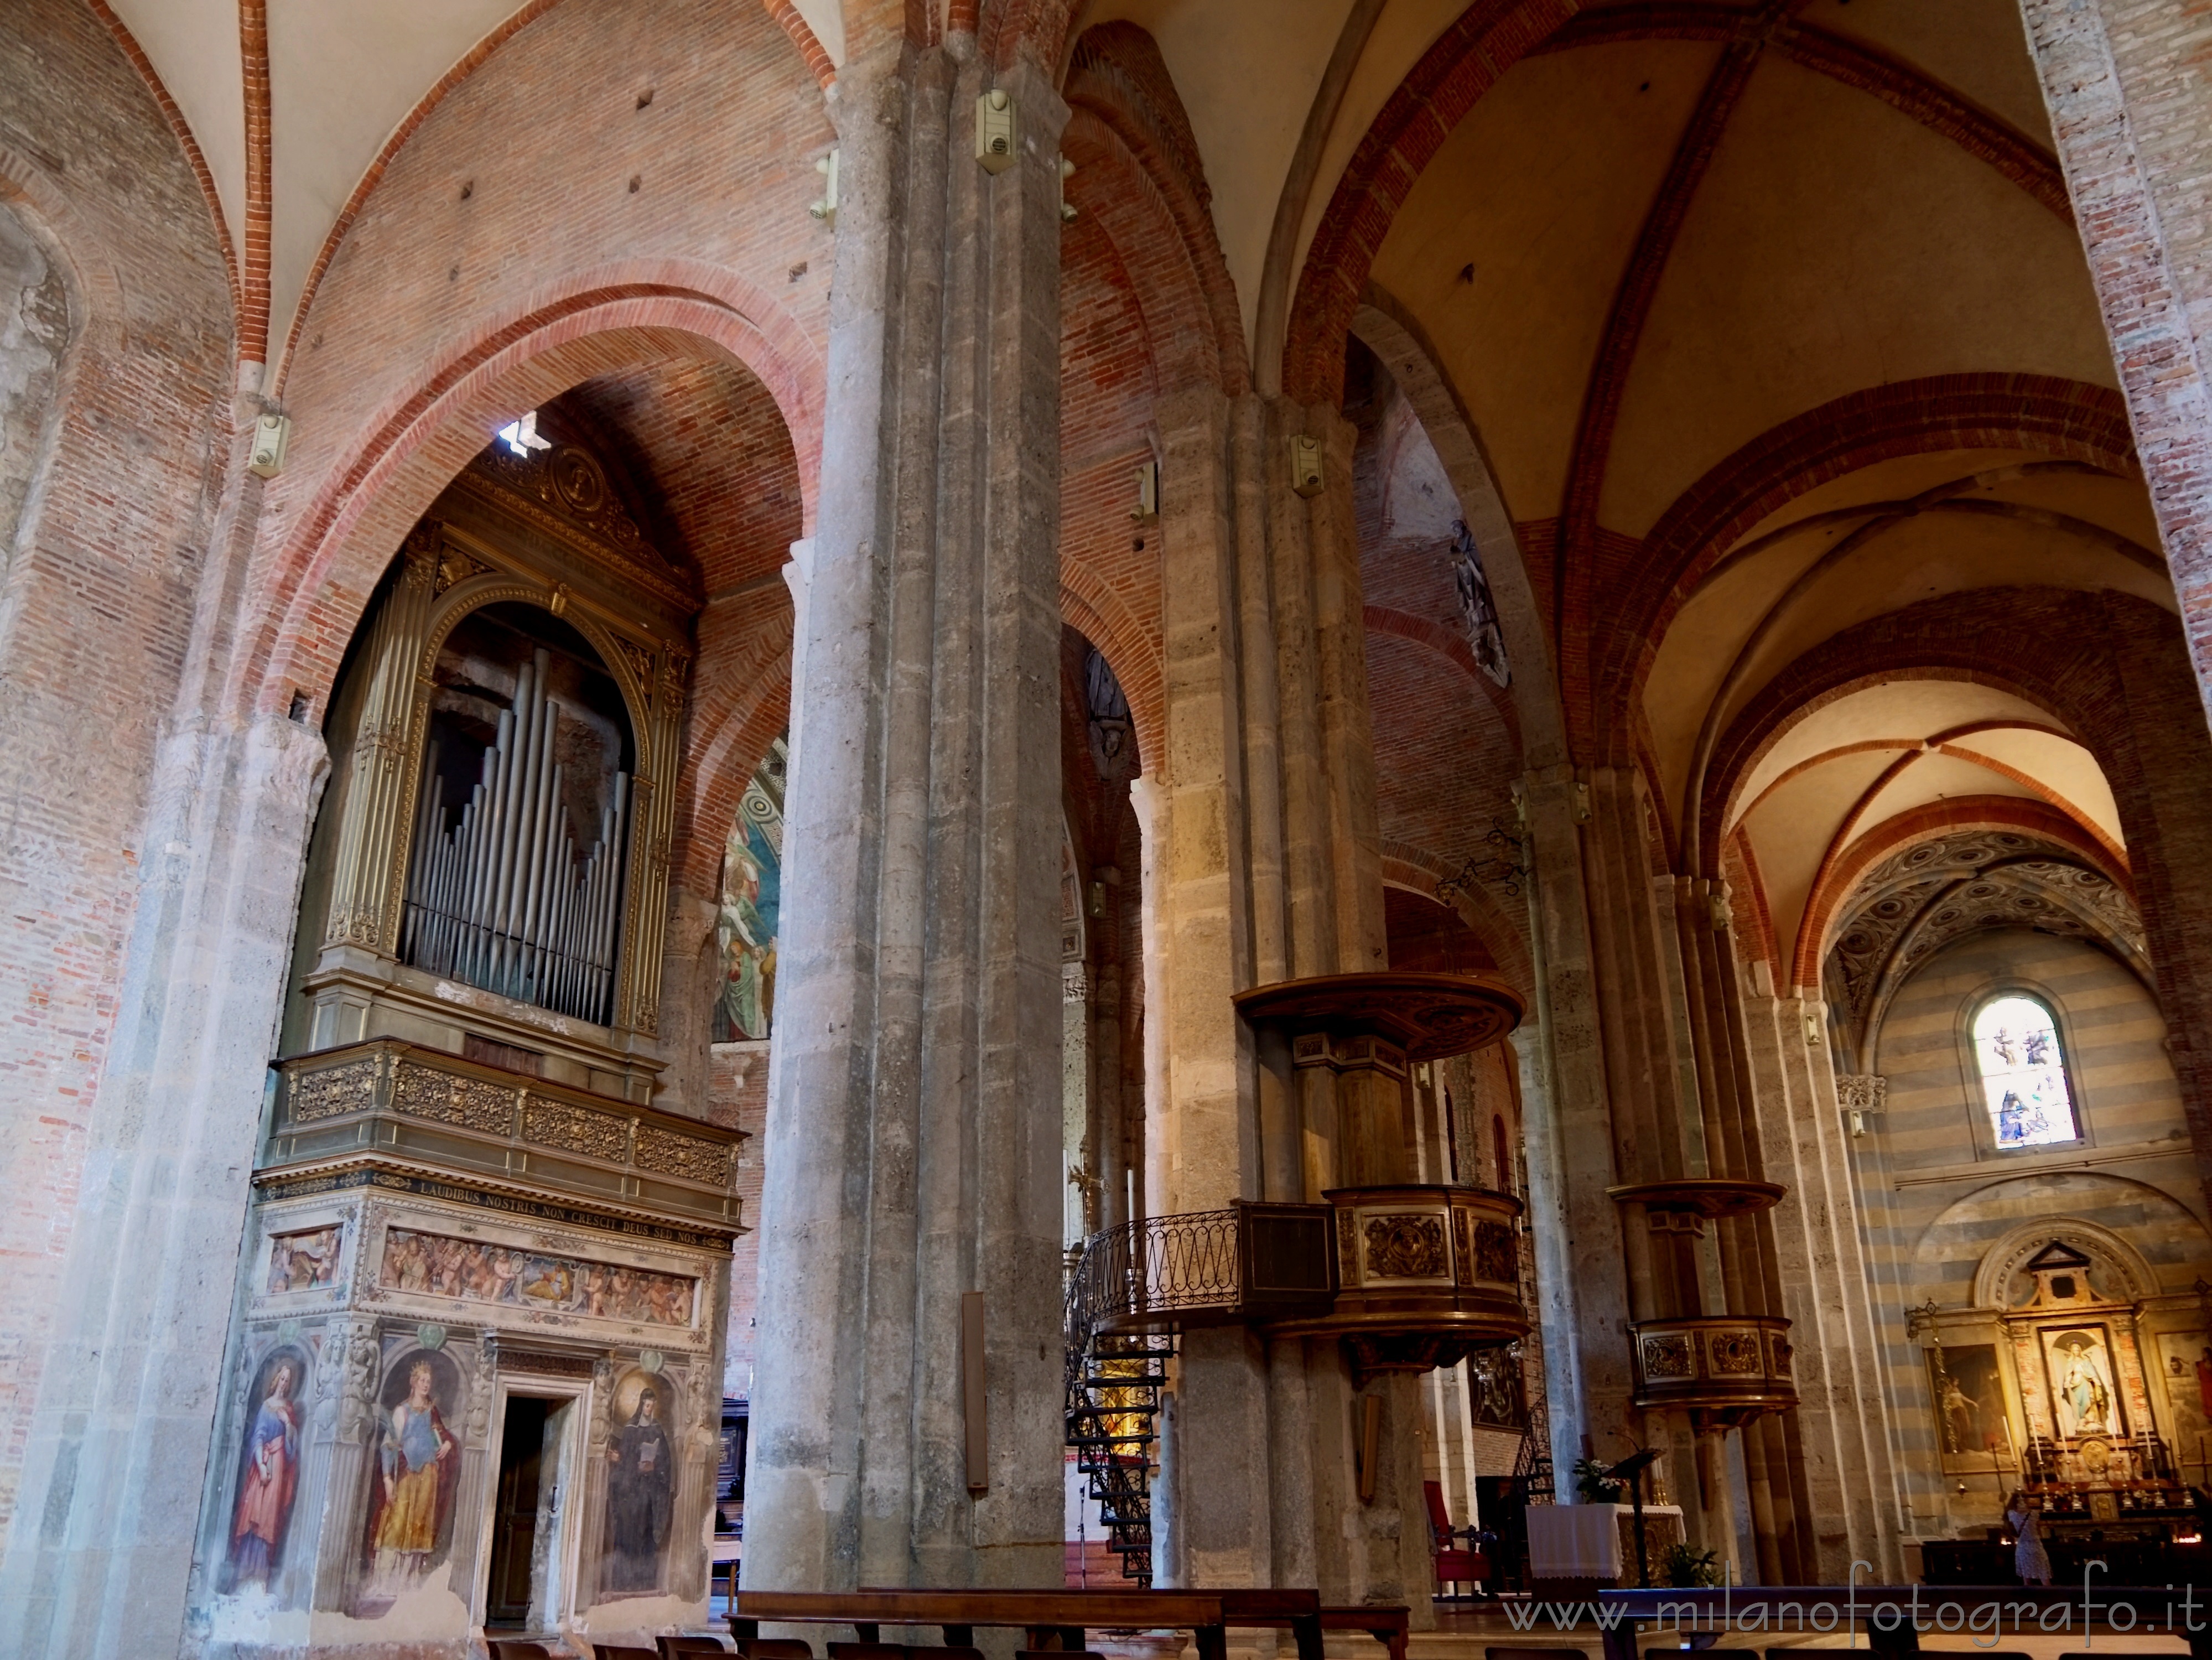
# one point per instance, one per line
(2024, 1083)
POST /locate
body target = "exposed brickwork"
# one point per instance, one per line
(1463, 62)
(705, 439)
(100, 596)
(183, 131)
(260, 161)
(374, 174)
(818, 60)
(2131, 106)
(442, 314)
(1117, 79)
(1429, 938)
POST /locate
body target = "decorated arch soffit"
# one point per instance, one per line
(2002, 1279)
(1919, 901)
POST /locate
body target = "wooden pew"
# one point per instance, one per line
(1052, 1618)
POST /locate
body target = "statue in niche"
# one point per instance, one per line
(641, 1489)
(418, 1462)
(272, 1473)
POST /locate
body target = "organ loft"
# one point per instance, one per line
(989, 826)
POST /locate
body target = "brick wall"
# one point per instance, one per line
(99, 588)
(2131, 102)
(504, 256)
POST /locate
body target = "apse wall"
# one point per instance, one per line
(2114, 1037)
(1938, 1201)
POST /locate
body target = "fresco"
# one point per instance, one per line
(411, 1484)
(300, 1262)
(269, 1471)
(437, 1265)
(640, 1486)
(745, 927)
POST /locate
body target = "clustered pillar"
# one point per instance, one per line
(913, 1131)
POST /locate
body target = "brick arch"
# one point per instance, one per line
(2115, 670)
(1091, 608)
(1645, 584)
(1910, 644)
(1140, 171)
(128, 44)
(1925, 824)
(317, 579)
(1417, 871)
(1006, 30)
(818, 59)
(740, 702)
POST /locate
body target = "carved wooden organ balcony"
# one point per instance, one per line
(392, 1114)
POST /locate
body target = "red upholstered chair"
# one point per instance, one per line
(1454, 1564)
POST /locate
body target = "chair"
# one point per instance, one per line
(672, 1646)
(867, 1651)
(508, 1648)
(616, 1652)
(1454, 1566)
(774, 1648)
(1499, 1653)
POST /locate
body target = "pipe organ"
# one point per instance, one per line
(491, 864)
(502, 900)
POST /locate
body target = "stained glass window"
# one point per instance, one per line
(2023, 1075)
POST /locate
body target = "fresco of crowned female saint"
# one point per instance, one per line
(271, 1473)
(641, 1493)
(412, 1488)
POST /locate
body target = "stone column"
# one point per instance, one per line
(913, 1140)
(1823, 1284)
(100, 1559)
(1262, 864)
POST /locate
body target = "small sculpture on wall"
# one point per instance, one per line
(411, 1491)
(640, 1486)
(271, 1475)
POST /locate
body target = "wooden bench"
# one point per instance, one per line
(1386, 1623)
(1055, 1618)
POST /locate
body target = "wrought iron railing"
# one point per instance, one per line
(1156, 1273)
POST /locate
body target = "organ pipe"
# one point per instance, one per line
(502, 899)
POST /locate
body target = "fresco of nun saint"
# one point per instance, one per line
(418, 1464)
(269, 1472)
(641, 1487)
(2078, 1361)
(752, 898)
